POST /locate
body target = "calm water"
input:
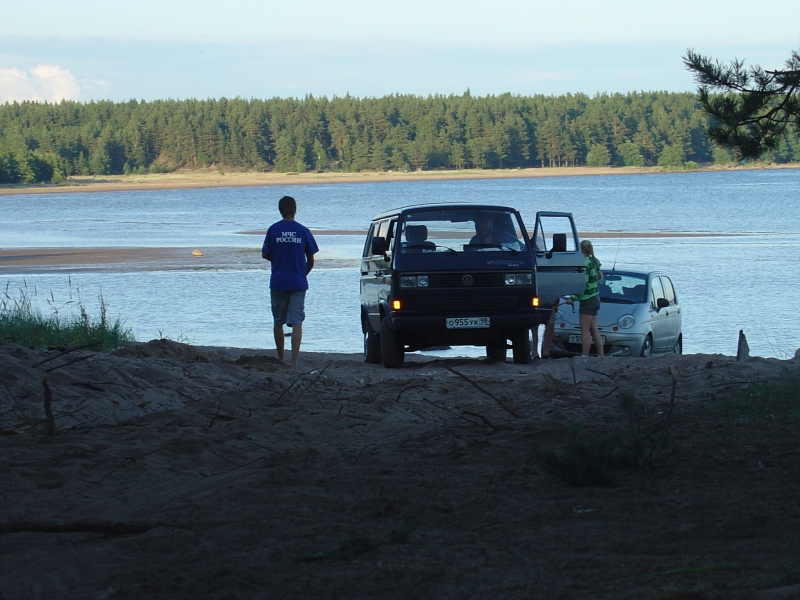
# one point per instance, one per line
(724, 283)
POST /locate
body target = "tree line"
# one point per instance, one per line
(48, 142)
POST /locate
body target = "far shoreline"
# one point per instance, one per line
(214, 178)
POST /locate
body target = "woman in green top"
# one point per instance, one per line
(590, 301)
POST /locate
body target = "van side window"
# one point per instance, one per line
(383, 229)
(669, 291)
(390, 234)
(368, 244)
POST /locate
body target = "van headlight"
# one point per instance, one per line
(411, 281)
(626, 321)
(519, 278)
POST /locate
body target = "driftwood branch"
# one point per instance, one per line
(66, 364)
(411, 387)
(64, 353)
(481, 417)
(48, 407)
(18, 409)
(107, 527)
(502, 404)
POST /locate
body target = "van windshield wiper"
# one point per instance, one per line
(497, 246)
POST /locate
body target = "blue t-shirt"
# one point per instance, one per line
(286, 244)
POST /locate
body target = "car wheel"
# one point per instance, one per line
(647, 347)
(496, 353)
(521, 347)
(372, 346)
(392, 353)
(678, 349)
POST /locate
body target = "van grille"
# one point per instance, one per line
(456, 280)
(479, 306)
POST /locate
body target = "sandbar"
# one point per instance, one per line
(117, 259)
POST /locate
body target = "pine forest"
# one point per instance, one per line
(43, 142)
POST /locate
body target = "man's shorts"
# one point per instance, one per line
(288, 308)
(590, 306)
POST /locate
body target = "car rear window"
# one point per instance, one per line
(623, 288)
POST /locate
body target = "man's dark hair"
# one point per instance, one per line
(287, 206)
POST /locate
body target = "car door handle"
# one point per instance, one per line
(378, 273)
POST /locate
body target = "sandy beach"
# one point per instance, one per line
(177, 471)
(211, 178)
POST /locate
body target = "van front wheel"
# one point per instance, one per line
(392, 351)
(372, 346)
(521, 347)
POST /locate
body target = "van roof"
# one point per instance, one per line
(445, 206)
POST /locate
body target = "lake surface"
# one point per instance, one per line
(724, 283)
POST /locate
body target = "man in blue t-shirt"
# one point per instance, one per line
(290, 248)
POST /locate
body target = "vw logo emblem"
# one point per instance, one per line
(467, 280)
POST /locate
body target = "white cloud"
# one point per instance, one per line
(43, 83)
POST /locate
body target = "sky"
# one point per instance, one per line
(156, 49)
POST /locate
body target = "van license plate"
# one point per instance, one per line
(468, 323)
(576, 339)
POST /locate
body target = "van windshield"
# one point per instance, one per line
(448, 231)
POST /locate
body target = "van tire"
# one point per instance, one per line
(496, 353)
(392, 352)
(372, 346)
(521, 347)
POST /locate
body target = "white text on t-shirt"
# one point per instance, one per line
(289, 236)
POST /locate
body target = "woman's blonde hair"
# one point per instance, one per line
(588, 250)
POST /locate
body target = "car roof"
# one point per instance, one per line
(638, 272)
(446, 206)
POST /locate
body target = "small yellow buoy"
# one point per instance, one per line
(197, 253)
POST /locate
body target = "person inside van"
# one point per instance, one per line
(487, 233)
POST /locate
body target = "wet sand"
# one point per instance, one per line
(42, 260)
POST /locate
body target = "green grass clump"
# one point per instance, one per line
(21, 322)
(757, 401)
(585, 459)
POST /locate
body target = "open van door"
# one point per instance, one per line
(559, 262)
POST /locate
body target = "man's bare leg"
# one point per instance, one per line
(278, 332)
(297, 337)
(585, 322)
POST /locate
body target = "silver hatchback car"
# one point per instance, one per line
(639, 315)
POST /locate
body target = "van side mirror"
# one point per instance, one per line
(378, 245)
(559, 244)
(662, 303)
